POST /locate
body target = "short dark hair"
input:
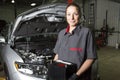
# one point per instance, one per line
(75, 5)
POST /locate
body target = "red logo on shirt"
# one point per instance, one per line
(76, 49)
(61, 65)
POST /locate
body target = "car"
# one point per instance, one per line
(29, 46)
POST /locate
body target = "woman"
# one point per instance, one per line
(75, 44)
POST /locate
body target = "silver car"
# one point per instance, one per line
(29, 46)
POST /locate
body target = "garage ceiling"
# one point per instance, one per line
(118, 1)
(38, 2)
(22, 2)
(28, 2)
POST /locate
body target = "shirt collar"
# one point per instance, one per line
(67, 29)
(76, 30)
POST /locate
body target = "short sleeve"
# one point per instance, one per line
(91, 47)
(57, 45)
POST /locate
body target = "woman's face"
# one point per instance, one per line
(72, 16)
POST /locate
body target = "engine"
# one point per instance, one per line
(35, 62)
(36, 56)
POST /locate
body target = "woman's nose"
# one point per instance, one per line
(72, 16)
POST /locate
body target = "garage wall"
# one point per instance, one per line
(113, 19)
(7, 11)
(86, 12)
(89, 12)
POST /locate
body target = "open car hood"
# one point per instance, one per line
(43, 19)
(33, 38)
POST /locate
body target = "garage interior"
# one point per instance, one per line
(102, 16)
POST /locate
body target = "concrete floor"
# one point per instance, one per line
(109, 64)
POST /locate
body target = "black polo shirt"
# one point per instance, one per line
(75, 47)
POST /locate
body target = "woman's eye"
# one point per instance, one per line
(76, 14)
(68, 14)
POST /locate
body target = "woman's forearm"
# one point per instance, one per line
(85, 66)
(56, 57)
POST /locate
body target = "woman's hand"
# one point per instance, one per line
(74, 77)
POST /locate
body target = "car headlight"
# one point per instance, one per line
(30, 69)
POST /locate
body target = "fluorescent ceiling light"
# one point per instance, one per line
(13, 1)
(33, 4)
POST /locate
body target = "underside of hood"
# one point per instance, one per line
(43, 19)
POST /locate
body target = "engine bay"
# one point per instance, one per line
(34, 42)
(36, 52)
